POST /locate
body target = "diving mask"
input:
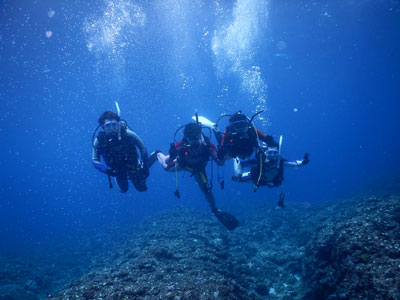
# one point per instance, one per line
(240, 127)
(111, 126)
(272, 155)
(192, 140)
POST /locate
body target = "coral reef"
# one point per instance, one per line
(348, 249)
(185, 254)
(355, 252)
(30, 273)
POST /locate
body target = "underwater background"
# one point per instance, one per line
(326, 73)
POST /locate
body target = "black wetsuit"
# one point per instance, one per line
(235, 145)
(121, 156)
(195, 159)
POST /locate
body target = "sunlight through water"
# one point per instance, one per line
(110, 35)
(235, 44)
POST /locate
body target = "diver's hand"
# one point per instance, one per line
(99, 166)
(306, 158)
(173, 153)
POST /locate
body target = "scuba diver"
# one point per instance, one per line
(192, 154)
(267, 168)
(240, 138)
(117, 144)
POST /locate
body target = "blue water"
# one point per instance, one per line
(327, 74)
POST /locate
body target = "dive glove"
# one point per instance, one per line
(306, 159)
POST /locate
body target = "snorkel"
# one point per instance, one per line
(119, 115)
(199, 124)
(118, 110)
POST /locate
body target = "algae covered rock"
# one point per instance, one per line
(357, 254)
(179, 254)
(348, 249)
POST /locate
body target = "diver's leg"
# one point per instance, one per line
(249, 163)
(244, 177)
(138, 178)
(237, 166)
(201, 180)
(161, 159)
(229, 221)
(122, 181)
(237, 169)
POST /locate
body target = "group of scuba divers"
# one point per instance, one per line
(257, 157)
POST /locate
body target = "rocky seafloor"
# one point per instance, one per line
(349, 249)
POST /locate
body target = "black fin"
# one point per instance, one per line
(229, 221)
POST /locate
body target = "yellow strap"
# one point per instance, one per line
(203, 177)
(261, 162)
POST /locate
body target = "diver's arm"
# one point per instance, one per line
(297, 163)
(250, 163)
(293, 163)
(268, 139)
(173, 153)
(138, 143)
(243, 177)
(96, 158)
(215, 156)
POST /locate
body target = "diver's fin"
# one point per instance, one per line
(204, 121)
(229, 221)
